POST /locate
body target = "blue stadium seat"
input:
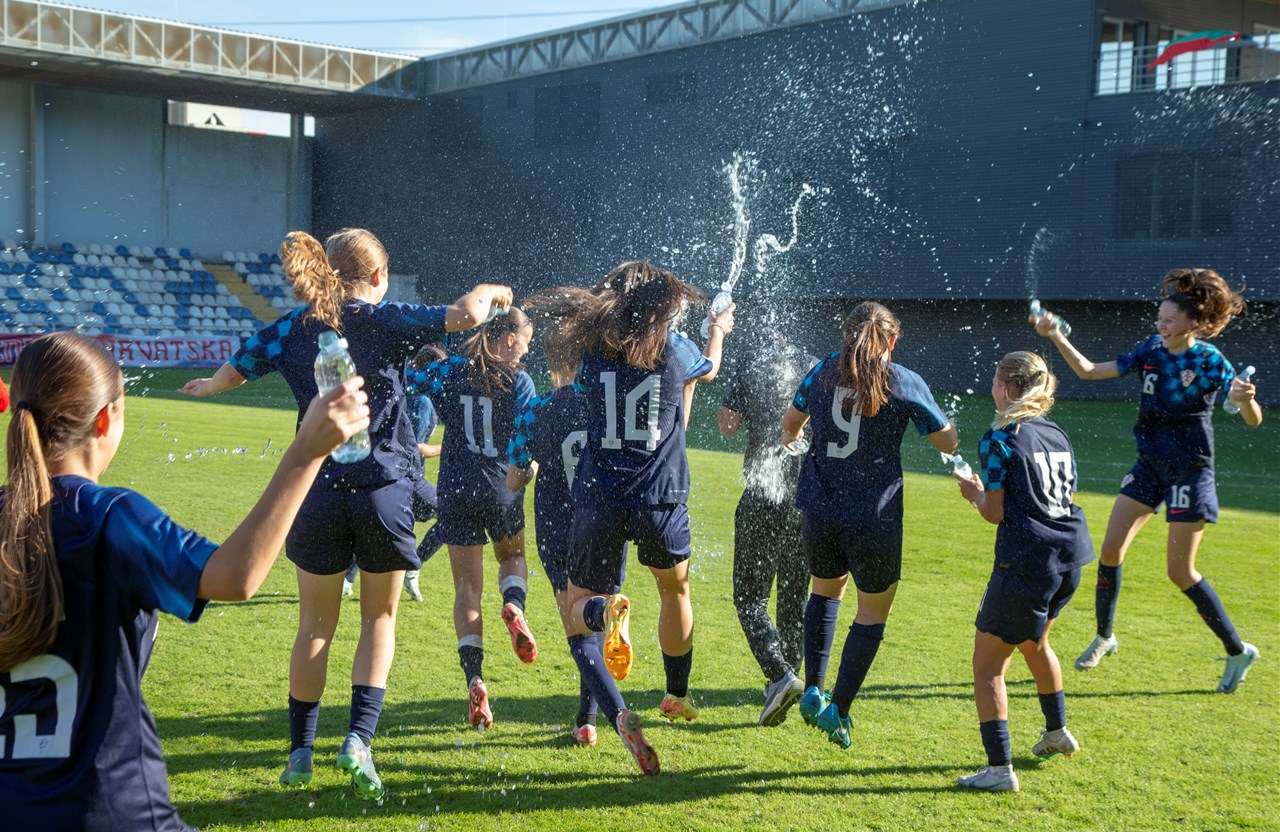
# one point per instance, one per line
(52, 319)
(64, 258)
(142, 310)
(100, 308)
(58, 294)
(69, 248)
(184, 253)
(12, 293)
(78, 271)
(161, 252)
(103, 271)
(4, 267)
(123, 251)
(117, 284)
(129, 298)
(32, 281)
(37, 256)
(75, 282)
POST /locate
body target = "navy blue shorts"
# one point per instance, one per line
(1187, 489)
(1017, 608)
(371, 526)
(871, 552)
(471, 520)
(555, 550)
(600, 535)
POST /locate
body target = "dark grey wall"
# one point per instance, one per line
(943, 138)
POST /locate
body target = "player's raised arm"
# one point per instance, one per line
(1083, 367)
(476, 306)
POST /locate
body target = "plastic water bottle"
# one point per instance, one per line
(959, 466)
(1230, 406)
(797, 448)
(1055, 321)
(334, 366)
(719, 303)
(495, 310)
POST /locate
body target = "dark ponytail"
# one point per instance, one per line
(488, 370)
(869, 333)
(1203, 296)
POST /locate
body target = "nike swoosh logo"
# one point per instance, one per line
(1177, 511)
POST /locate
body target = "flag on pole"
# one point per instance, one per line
(1196, 41)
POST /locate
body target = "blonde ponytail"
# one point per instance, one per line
(326, 278)
(1026, 374)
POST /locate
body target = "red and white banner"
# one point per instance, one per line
(145, 351)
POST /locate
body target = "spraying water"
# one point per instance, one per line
(1040, 244)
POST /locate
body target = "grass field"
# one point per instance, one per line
(1160, 749)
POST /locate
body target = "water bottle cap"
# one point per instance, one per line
(330, 341)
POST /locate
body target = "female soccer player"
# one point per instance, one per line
(766, 527)
(359, 510)
(1181, 377)
(478, 394)
(550, 433)
(850, 494)
(1028, 479)
(84, 570)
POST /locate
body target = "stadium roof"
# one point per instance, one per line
(53, 43)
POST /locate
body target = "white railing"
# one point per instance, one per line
(74, 32)
(1122, 67)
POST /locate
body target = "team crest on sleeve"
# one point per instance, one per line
(1188, 377)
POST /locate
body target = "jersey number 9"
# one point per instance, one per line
(27, 744)
(850, 425)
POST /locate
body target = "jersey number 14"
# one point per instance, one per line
(649, 433)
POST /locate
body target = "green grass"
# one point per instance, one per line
(1161, 750)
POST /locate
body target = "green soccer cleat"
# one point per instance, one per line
(836, 727)
(297, 772)
(356, 759)
(812, 703)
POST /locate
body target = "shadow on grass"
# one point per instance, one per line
(453, 793)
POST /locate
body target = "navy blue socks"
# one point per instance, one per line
(593, 613)
(678, 668)
(995, 739)
(366, 707)
(514, 589)
(855, 660)
(586, 701)
(1209, 605)
(471, 657)
(1105, 595)
(303, 717)
(819, 631)
(1054, 708)
(586, 654)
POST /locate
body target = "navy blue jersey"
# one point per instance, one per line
(380, 338)
(853, 470)
(1043, 531)
(635, 427)
(1175, 416)
(478, 428)
(551, 431)
(78, 746)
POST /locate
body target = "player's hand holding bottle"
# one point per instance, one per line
(333, 417)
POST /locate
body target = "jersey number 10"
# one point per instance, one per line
(649, 432)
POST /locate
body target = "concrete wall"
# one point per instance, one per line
(111, 170)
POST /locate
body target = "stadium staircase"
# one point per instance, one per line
(247, 295)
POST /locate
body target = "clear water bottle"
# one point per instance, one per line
(719, 303)
(1230, 406)
(334, 366)
(959, 466)
(495, 310)
(1055, 321)
(800, 447)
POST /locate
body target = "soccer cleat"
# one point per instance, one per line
(356, 759)
(779, 696)
(411, 584)
(584, 734)
(836, 727)
(1053, 743)
(480, 716)
(628, 725)
(1098, 649)
(617, 636)
(1237, 668)
(812, 703)
(521, 639)
(348, 588)
(297, 772)
(991, 779)
(678, 707)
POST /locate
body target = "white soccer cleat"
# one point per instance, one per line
(1098, 649)
(991, 779)
(347, 587)
(1237, 668)
(1053, 743)
(779, 696)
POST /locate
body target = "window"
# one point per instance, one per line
(672, 88)
(1174, 197)
(1115, 56)
(566, 115)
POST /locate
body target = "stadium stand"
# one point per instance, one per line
(125, 290)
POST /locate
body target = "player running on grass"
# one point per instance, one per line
(850, 493)
(1026, 487)
(550, 434)
(84, 570)
(361, 510)
(478, 394)
(1181, 377)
